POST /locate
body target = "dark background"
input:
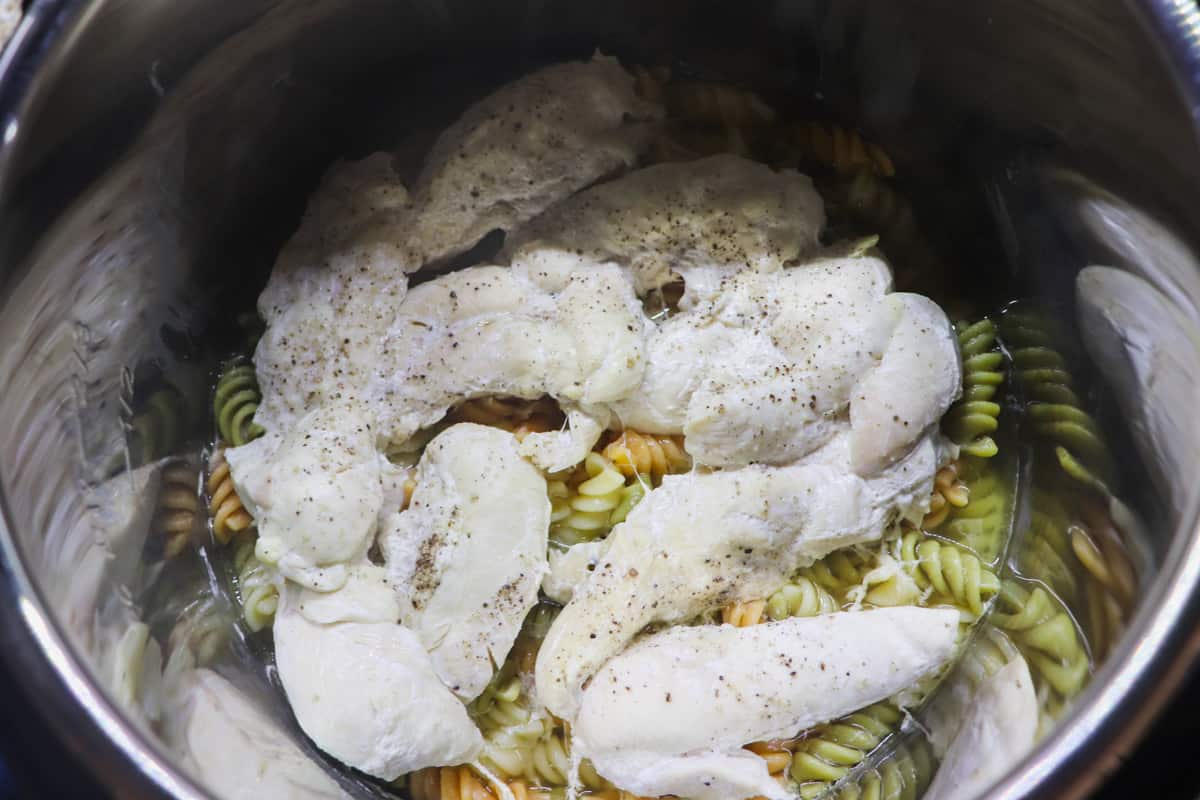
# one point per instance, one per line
(33, 765)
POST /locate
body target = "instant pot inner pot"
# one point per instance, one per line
(1029, 165)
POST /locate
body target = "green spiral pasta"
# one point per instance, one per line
(1047, 636)
(984, 523)
(156, 429)
(972, 420)
(1044, 552)
(949, 573)
(257, 589)
(1054, 411)
(829, 752)
(234, 402)
(903, 773)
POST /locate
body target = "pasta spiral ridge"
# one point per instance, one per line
(902, 774)
(1054, 409)
(462, 783)
(156, 430)
(257, 586)
(1112, 582)
(225, 507)
(587, 505)
(235, 400)
(948, 573)
(715, 104)
(973, 419)
(841, 149)
(829, 752)
(647, 457)
(983, 522)
(178, 508)
(800, 597)
(948, 492)
(1046, 634)
(871, 204)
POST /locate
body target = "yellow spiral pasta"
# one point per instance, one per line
(257, 584)
(800, 597)
(835, 147)
(648, 456)
(903, 774)
(743, 615)
(229, 515)
(178, 507)
(585, 507)
(948, 492)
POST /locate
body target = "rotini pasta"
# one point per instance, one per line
(595, 498)
(1045, 634)
(829, 752)
(800, 597)
(983, 523)
(903, 773)
(948, 492)
(178, 507)
(743, 615)
(835, 147)
(647, 457)
(228, 513)
(715, 104)
(1054, 410)
(234, 402)
(257, 586)
(972, 420)
(873, 206)
(949, 573)
(156, 430)
(1110, 577)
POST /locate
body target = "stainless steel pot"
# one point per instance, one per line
(154, 155)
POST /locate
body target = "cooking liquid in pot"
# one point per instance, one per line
(1054, 590)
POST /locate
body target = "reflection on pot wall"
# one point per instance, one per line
(118, 315)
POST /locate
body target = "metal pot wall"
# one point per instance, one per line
(154, 156)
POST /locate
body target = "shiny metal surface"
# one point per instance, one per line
(142, 174)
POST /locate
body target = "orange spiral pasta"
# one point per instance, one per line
(948, 492)
(777, 756)
(841, 149)
(229, 515)
(648, 456)
(178, 505)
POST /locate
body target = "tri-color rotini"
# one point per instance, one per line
(156, 429)
(973, 419)
(235, 400)
(1054, 411)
